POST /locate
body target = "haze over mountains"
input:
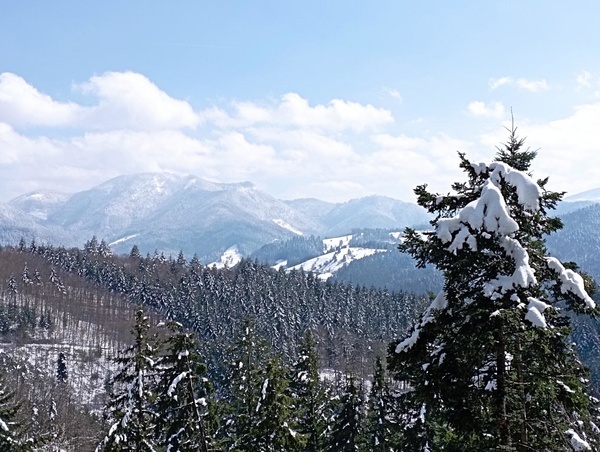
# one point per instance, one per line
(169, 212)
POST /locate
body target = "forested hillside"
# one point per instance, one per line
(73, 310)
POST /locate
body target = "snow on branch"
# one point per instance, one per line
(528, 191)
(570, 281)
(437, 304)
(489, 212)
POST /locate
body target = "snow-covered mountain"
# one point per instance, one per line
(40, 203)
(172, 212)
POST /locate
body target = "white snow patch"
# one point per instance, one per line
(230, 258)
(577, 442)
(279, 265)
(124, 239)
(535, 312)
(279, 222)
(327, 264)
(334, 242)
(570, 281)
(437, 304)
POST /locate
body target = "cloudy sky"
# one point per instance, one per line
(335, 99)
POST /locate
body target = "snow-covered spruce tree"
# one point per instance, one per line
(181, 392)
(378, 426)
(309, 397)
(244, 382)
(346, 433)
(489, 363)
(130, 413)
(275, 429)
(12, 435)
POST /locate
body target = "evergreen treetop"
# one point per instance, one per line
(489, 362)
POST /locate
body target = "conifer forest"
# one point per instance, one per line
(105, 352)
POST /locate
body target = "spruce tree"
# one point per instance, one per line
(275, 429)
(62, 374)
(308, 393)
(12, 435)
(489, 364)
(130, 410)
(182, 392)
(379, 427)
(245, 379)
(347, 431)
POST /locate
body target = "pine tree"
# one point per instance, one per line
(244, 381)
(308, 395)
(62, 373)
(130, 410)
(489, 364)
(274, 429)
(181, 394)
(12, 435)
(379, 427)
(347, 430)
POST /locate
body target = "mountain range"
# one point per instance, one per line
(169, 213)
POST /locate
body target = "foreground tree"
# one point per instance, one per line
(309, 397)
(182, 391)
(13, 438)
(489, 363)
(130, 411)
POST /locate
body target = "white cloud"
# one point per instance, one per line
(498, 82)
(533, 86)
(126, 100)
(334, 150)
(584, 79)
(568, 148)
(129, 100)
(22, 105)
(394, 94)
(493, 109)
(294, 111)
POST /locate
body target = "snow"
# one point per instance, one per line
(577, 442)
(528, 191)
(535, 312)
(327, 264)
(284, 225)
(230, 258)
(437, 304)
(570, 281)
(279, 265)
(175, 382)
(123, 239)
(334, 242)
(489, 212)
(3, 425)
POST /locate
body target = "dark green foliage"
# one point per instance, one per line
(309, 396)
(346, 432)
(486, 369)
(62, 373)
(380, 428)
(182, 393)
(13, 437)
(130, 412)
(295, 250)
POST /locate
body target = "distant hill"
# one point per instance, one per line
(171, 212)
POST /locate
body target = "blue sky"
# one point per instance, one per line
(335, 100)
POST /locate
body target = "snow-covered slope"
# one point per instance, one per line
(337, 253)
(172, 212)
(230, 258)
(40, 203)
(373, 212)
(589, 195)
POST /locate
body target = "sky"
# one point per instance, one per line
(333, 100)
